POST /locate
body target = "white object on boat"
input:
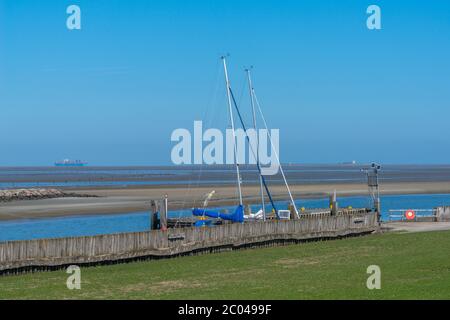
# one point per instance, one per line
(255, 216)
(284, 214)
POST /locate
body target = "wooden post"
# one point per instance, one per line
(378, 209)
(333, 204)
(154, 220)
(292, 210)
(163, 213)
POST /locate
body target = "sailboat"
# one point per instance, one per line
(280, 214)
(238, 214)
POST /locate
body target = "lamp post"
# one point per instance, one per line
(372, 183)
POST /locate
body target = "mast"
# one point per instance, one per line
(230, 109)
(250, 87)
(276, 155)
(259, 169)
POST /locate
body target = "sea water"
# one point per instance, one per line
(75, 226)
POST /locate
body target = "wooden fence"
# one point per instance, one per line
(442, 214)
(110, 248)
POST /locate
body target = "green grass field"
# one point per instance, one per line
(413, 266)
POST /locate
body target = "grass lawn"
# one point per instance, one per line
(413, 266)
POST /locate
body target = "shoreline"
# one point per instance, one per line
(137, 198)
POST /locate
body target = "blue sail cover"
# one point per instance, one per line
(237, 216)
(202, 223)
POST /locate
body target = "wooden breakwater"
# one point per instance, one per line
(41, 254)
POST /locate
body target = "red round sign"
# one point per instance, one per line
(410, 214)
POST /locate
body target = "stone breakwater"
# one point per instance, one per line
(34, 194)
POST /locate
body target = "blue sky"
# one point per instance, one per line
(112, 92)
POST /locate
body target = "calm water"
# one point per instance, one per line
(140, 221)
(25, 177)
(125, 183)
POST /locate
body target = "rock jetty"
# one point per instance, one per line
(34, 194)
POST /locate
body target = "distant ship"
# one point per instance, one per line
(70, 163)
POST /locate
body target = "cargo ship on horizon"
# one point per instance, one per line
(70, 163)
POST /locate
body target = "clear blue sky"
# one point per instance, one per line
(112, 92)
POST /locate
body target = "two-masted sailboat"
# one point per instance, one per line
(238, 214)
